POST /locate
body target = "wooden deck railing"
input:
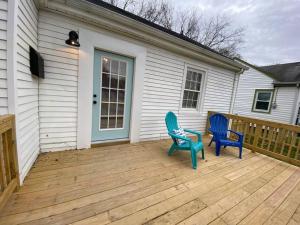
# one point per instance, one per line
(277, 140)
(9, 173)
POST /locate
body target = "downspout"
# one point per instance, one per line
(234, 89)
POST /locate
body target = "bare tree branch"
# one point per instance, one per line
(216, 32)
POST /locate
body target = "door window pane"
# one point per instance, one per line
(113, 85)
(105, 95)
(120, 109)
(112, 109)
(105, 80)
(112, 122)
(103, 123)
(123, 66)
(104, 109)
(114, 66)
(119, 122)
(113, 81)
(122, 82)
(106, 65)
(113, 95)
(121, 96)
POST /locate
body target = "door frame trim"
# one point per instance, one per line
(91, 40)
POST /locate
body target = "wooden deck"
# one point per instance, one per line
(140, 184)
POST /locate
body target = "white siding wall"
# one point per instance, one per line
(27, 87)
(58, 91)
(253, 79)
(3, 48)
(163, 88)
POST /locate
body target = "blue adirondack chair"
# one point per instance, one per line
(219, 130)
(189, 145)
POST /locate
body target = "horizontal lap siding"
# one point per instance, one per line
(58, 91)
(161, 93)
(3, 56)
(27, 87)
(253, 79)
(163, 80)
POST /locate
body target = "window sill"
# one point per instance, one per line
(265, 112)
(189, 111)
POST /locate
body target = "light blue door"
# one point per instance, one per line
(112, 91)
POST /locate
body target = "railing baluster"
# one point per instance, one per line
(270, 138)
(7, 159)
(2, 164)
(292, 144)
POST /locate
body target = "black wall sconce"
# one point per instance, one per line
(73, 39)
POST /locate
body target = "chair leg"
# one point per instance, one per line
(172, 149)
(203, 154)
(211, 141)
(218, 148)
(241, 150)
(194, 158)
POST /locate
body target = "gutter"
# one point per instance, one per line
(118, 23)
(286, 84)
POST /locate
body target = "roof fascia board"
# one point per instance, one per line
(254, 67)
(118, 23)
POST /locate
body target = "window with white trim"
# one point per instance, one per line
(262, 101)
(192, 88)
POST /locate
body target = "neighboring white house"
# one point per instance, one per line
(269, 92)
(118, 85)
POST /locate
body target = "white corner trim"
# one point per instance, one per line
(12, 55)
(11, 69)
(91, 40)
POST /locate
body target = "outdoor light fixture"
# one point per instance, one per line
(73, 39)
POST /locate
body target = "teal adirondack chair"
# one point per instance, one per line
(189, 145)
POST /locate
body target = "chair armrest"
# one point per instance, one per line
(199, 135)
(240, 135)
(180, 137)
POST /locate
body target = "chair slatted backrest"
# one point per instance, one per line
(171, 123)
(219, 124)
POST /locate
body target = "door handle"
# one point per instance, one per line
(94, 102)
(94, 95)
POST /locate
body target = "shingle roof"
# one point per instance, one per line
(289, 72)
(154, 25)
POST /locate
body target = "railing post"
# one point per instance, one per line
(209, 113)
(9, 169)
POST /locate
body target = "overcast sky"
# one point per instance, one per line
(272, 26)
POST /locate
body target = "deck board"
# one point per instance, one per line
(140, 184)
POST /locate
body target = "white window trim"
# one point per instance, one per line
(200, 100)
(256, 92)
